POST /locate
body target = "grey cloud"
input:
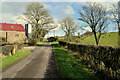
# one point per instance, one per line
(14, 8)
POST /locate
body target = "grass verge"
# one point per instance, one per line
(14, 58)
(40, 43)
(71, 67)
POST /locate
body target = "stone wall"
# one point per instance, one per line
(3, 34)
(10, 49)
(11, 36)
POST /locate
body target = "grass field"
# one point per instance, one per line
(107, 39)
(71, 67)
(14, 58)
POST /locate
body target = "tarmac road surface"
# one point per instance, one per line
(39, 64)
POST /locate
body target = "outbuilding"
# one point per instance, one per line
(13, 33)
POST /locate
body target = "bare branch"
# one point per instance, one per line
(68, 26)
(94, 16)
(38, 17)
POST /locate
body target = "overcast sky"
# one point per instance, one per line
(11, 10)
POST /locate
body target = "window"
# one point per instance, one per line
(16, 36)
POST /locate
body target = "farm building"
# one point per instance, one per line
(12, 32)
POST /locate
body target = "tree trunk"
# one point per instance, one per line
(119, 35)
(79, 35)
(68, 37)
(99, 37)
(119, 28)
(95, 38)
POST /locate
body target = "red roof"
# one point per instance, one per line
(11, 27)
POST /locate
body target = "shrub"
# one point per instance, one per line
(32, 41)
(7, 49)
(3, 39)
(62, 43)
(51, 39)
(19, 46)
(16, 42)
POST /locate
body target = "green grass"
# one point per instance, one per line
(71, 67)
(62, 39)
(14, 58)
(55, 42)
(40, 43)
(107, 39)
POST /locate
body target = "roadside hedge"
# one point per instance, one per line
(103, 59)
(7, 49)
(62, 43)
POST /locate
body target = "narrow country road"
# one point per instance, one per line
(40, 64)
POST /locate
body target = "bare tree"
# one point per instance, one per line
(39, 18)
(68, 26)
(116, 14)
(95, 16)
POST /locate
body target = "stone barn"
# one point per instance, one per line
(13, 33)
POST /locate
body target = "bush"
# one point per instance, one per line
(51, 39)
(7, 49)
(3, 39)
(19, 46)
(32, 41)
(62, 43)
